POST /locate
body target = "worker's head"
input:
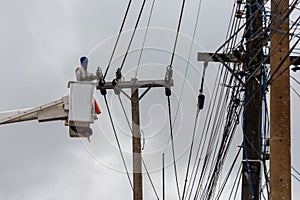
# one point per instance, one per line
(84, 62)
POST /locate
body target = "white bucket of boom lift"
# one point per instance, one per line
(81, 108)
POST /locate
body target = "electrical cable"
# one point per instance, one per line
(173, 148)
(177, 33)
(295, 91)
(144, 41)
(272, 78)
(117, 41)
(297, 179)
(133, 34)
(188, 61)
(149, 177)
(228, 175)
(236, 181)
(190, 154)
(216, 109)
(118, 142)
(297, 172)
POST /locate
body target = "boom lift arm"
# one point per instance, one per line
(76, 109)
(56, 110)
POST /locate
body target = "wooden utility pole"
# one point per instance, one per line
(136, 145)
(280, 145)
(253, 59)
(135, 85)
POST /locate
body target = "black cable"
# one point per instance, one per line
(120, 31)
(272, 78)
(177, 33)
(266, 40)
(127, 119)
(152, 185)
(190, 154)
(215, 123)
(297, 172)
(118, 142)
(173, 148)
(237, 187)
(210, 105)
(235, 182)
(133, 34)
(196, 166)
(207, 122)
(188, 61)
(145, 37)
(297, 179)
(295, 91)
(228, 175)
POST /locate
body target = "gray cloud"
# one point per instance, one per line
(41, 42)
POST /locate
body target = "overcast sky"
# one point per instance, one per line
(40, 46)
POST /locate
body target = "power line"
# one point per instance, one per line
(120, 31)
(295, 91)
(150, 179)
(144, 41)
(295, 80)
(173, 148)
(188, 61)
(297, 172)
(190, 154)
(133, 34)
(297, 179)
(177, 33)
(118, 142)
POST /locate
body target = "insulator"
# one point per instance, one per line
(168, 91)
(114, 82)
(103, 91)
(101, 82)
(118, 74)
(201, 99)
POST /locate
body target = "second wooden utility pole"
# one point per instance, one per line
(280, 144)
